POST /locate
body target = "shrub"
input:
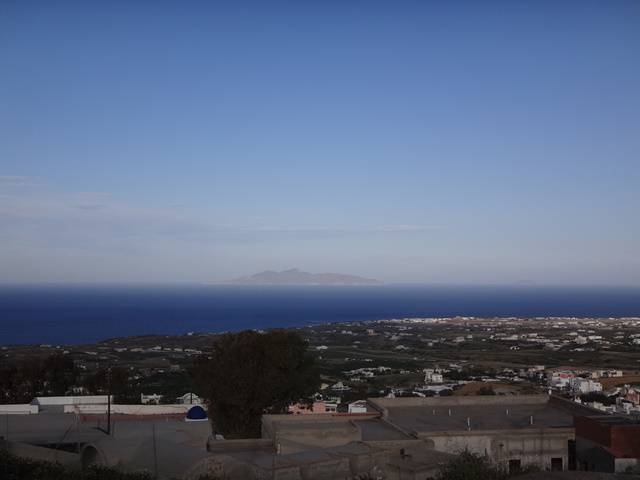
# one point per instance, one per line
(13, 467)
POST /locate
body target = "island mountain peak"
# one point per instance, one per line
(294, 276)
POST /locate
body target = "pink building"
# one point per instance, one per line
(315, 407)
(632, 395)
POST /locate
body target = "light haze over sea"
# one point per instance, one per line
(469, 142)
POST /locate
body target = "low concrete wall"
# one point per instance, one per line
(128, 409)
(300, 440)
(72, 400)
(407, 445)
(19, 409)
(240, 445)
(383, 403)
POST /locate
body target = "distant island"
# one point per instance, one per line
(298, 277)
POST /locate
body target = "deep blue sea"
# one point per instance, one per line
(67, 315)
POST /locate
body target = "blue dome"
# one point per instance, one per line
(196, 413)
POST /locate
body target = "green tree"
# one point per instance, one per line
(9, 384)
(21, 381)
(60, 374)
(250, 373)
(486, 391)
(114, 379)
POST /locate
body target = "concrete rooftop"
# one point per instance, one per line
(482, 413)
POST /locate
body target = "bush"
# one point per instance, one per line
(469, 466)
(19, 468)
(486, 391)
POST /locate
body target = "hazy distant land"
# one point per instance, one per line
(298, 277)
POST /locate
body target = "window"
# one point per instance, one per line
(556, 464)
(572, 463)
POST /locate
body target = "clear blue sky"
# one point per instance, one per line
(440, 142)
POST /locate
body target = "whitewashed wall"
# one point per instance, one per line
(18, 409)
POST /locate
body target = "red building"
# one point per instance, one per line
(607, 443)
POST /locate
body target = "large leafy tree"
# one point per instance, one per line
(20, 382)
(60, 374)
(250, 373)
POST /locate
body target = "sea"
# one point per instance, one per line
(62, 315)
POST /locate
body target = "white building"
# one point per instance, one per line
(340, 387)
(153, 399)
(430, 376)
(606, 373)
(580, 385)
(560, 379)
(189, 398)
(359, 406)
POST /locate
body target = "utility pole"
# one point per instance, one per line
(109, 401)
(155, 452)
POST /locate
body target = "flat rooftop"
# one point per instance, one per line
(421, 419)
(613, 420)
(48, 428)
(374, 429)
(478, 413)
(370, 428)
(60, 428)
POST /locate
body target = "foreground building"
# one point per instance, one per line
(391, 438)
(513, 431)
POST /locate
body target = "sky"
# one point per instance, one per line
(493, 142)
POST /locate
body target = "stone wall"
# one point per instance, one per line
(534, 447)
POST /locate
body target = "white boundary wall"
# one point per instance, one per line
(75, 400)
(129, 409)
(19, 409)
